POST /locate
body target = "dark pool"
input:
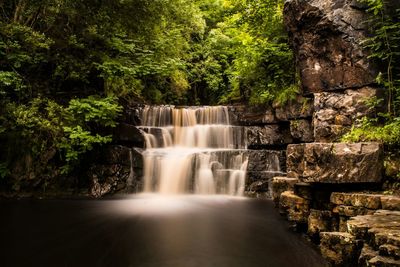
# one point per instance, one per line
(149, 230)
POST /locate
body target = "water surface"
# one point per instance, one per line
(150, 230)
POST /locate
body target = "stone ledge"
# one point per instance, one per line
(369, 201)
(366, 200)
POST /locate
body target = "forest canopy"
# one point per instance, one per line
(159, 51)
(66, 65)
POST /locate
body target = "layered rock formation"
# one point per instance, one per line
(324, 191)
(327, 39)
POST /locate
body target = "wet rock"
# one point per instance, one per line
(296, 208)
(280, 185)
(340, 249)
(268, 135)
(123, 155)
(129, 134)
(258, 188)
(258, 183)
(335, 113)
(319, 221)
(114, 178)
(335, 162)
(327, 38)
(302, 130)
(132, 113)
(299, 108)
(266, 160)
(369, 201)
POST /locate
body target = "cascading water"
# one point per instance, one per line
(190, 150)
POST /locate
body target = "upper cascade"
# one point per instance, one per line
(192, 127)
(190, 150)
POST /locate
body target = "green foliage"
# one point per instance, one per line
(102, 111)
(384, 47)
(4, 171)
(369, 130)
(245, 55)
(77, 142)
(42, 125)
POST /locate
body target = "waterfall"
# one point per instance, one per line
(190, 150)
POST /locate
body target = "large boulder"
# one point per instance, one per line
(335, 162)
(327, 38)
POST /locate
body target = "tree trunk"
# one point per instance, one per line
(19, 9)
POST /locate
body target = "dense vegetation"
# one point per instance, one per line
(66, 65)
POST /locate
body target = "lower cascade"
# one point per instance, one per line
(193, 150)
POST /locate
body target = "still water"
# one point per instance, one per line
(150, 230)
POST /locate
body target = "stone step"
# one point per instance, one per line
(382, 227)
(364, 200)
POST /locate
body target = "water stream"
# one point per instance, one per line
(190, 150)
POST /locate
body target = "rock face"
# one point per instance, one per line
(263, 136)
(335, 113)
(340, 249)
(302, 130)
(296, 208)
(327, 36)
(281, 184)
(118, 170)
(335, 162)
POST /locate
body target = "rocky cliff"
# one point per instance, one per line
(333, 191)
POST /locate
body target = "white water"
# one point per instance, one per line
(193, 149)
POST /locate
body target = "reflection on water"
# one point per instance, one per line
(149, 230)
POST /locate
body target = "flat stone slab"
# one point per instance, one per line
(366, 200)
(335, 162)
(382, 227)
